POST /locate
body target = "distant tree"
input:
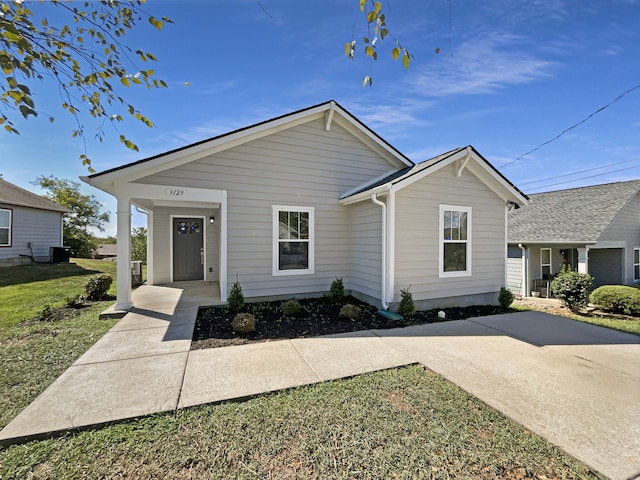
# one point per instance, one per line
(85, 213)
(110, 240)
(139, 244)
(84, 56)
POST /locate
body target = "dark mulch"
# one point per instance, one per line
(319, 316)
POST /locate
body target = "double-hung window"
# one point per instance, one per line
(293, 240)
(5, 227)
(636, 264)
(455, 241)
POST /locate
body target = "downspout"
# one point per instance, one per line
(383, 298)
(525, 280)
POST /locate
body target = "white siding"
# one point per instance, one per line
(366, 248)
(625, 228)
(41, 228)
(302, 166)
(417, 236)
(514, 270)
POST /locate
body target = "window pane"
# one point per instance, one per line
(447, 225)
(463, 225)
(636, 256)
(455, 257)
(636, 272)
(304, 225)
(293, 256)
(294, 225)
(5, 217)
(545, 256)
(4, 236)
(283, 225)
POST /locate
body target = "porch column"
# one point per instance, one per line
(583, 260)
(123, 272)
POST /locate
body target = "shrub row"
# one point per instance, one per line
(617, 298)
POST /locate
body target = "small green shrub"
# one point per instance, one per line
(77, 301)
(505, 298)
(350, 311)
(46, 313)
(617, 298)
(98, 286)
(243, 323)
(406, 307)
(236, 297)
(336, 291)
(573, 289)
(290, 308)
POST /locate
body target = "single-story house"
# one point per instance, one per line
(290, 204)
(594, 230)
(106, 250)
(30, 225)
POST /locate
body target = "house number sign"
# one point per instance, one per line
(174, 192)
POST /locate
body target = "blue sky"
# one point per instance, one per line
(511, 75)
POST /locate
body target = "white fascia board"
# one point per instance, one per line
(508, 193)
(430, 169)
(366, 195)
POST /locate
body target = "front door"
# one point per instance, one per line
(188, 253)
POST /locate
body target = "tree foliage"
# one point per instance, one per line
(377, 31)
(139, 244)
(86, 58)
(86, 213)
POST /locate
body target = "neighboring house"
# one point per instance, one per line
(593, 230)
(108, 250)
(290, 204)
(29, 225)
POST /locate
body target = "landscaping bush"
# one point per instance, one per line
(350, 311)
(236, 297)
(336, 291)
(290, 308)
(406, 307)
(617, 298)
(98, 286)
(243, 323)
(505, 298)
(77, 301)
(573, 289)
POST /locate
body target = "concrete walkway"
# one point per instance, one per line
(575, 384)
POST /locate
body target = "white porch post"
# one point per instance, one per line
(583, 260)
(123, 301)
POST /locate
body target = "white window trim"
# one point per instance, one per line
(546, 264)
(10, 228)
(441, 242)
(636, 249)
(276, 209)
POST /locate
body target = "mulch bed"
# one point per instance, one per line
(319, 316)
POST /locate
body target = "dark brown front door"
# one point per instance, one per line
(188, 259)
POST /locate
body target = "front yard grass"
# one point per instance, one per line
(401, 423)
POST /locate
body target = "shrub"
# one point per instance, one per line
(406, 307)
(77, 301)
(236, 297)
(336, 291)
(505, 298)
(98, 286)
(243, 323)
(350, 311)
(573, 289)
(617, 298)
(46, 313)
(290, 308)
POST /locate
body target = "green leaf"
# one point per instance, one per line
(396, 53)
(383, 33)
(378, 6)
(125, 81)
(362, 4)
(371, 16)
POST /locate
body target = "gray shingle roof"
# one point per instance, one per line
(576, 215)
(11, 194)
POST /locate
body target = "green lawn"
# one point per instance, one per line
(401, 423)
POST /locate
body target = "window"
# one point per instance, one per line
(545, 263)
(5, 227)
(292, 240)
(636, 264)
(455, 241)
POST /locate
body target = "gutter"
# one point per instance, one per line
(525, 279)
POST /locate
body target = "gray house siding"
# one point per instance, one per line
(366, 249)
(606, 266)
(514, 270)
(417, 238)
(41, 228)
(304, 166)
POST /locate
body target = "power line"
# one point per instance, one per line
(583, 178)
(619, 97)
(577, 172)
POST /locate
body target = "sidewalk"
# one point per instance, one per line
(575, 384)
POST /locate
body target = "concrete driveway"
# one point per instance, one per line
(575, 384)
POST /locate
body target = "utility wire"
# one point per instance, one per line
(583, 178)
(619, 97)
(577, 172)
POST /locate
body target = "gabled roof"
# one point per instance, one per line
(406, 176)
(575, 215)
(11, 194)
(328, 111)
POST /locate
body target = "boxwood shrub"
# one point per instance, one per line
(617, 298)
